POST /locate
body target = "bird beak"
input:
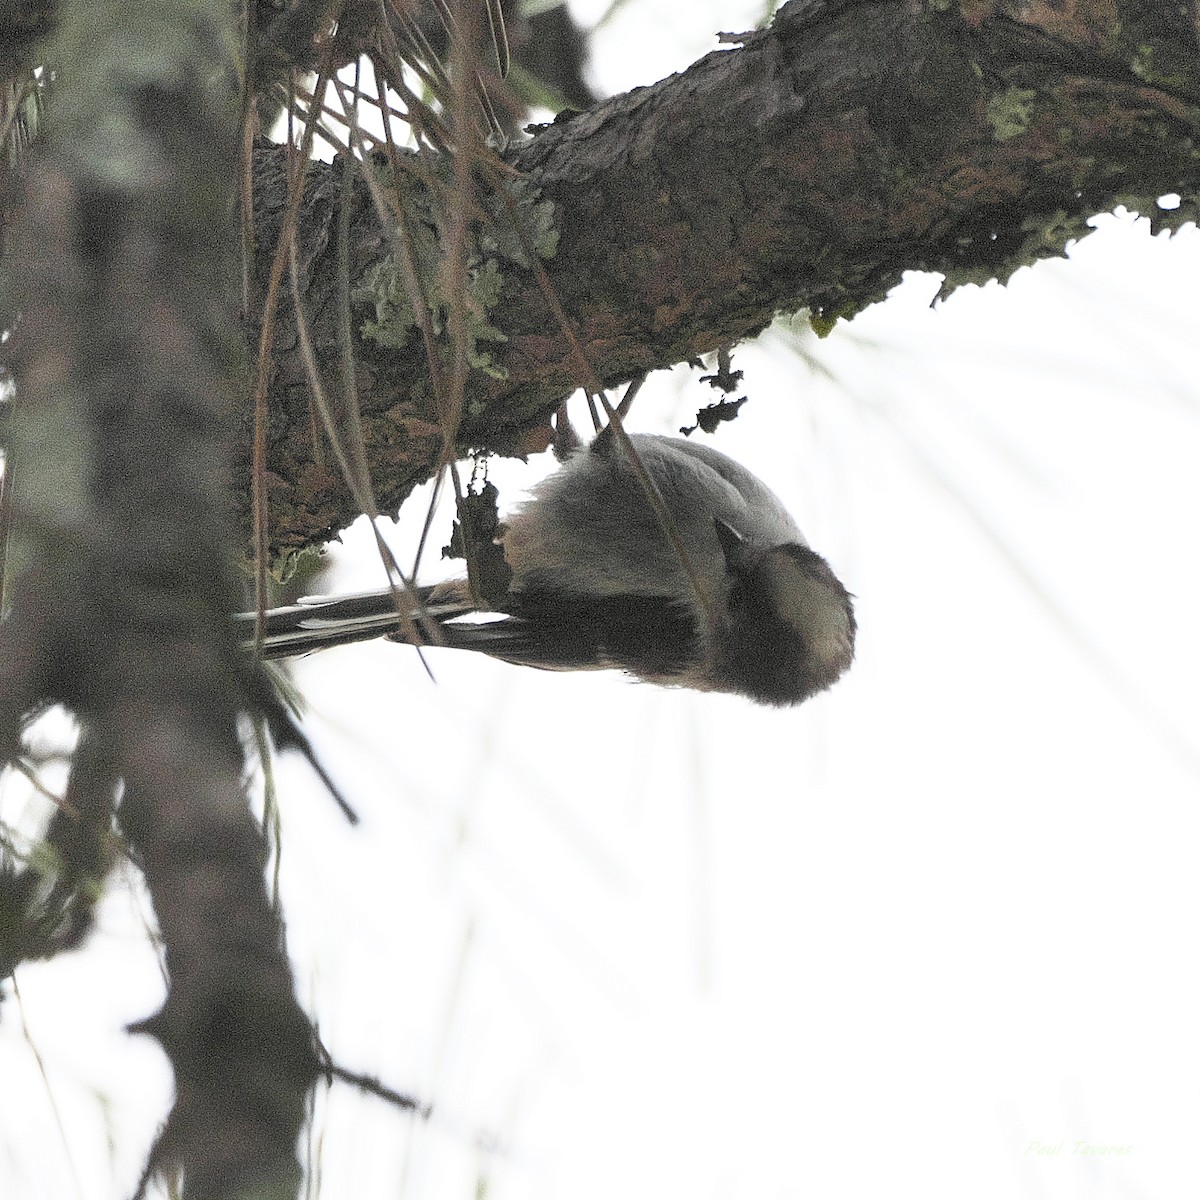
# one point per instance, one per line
(733, 545)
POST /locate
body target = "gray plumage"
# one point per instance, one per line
(598, 582)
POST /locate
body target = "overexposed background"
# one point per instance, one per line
(934, 929)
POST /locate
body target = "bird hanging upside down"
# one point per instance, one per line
(714, 588)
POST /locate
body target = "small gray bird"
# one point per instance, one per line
(716, 591)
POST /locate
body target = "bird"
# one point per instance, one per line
(673, 563)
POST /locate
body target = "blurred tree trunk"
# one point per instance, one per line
(124, 351)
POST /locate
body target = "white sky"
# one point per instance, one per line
(643, 943)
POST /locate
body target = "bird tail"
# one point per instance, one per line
(319, 622)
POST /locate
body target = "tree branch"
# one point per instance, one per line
(809, 166)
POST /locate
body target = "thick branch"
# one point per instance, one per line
(809, 167)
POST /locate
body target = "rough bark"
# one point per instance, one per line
(809, 165)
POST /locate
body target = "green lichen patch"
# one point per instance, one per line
(1010, 112)
(496, 246)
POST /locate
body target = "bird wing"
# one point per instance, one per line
(649, 636)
